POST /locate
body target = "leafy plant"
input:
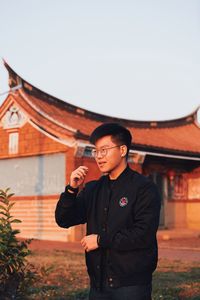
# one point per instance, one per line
(15, 273)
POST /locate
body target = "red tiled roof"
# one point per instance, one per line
(179, 136)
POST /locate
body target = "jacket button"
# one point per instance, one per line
(98, 267)
(110, 279)
(104, 229)
(105, 208)
(111, 284)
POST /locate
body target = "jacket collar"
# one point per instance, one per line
(121, 177)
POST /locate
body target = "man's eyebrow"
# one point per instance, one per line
(103, 146)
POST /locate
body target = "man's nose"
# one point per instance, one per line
(99, 154)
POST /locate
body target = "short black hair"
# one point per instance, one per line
(119, 134)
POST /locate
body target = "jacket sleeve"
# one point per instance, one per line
(70, 209)
(145, 214)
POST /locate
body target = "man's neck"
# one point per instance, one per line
(114, 174)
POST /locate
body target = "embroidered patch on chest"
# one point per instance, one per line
(123, 201)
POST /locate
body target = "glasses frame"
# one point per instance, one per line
(103, 151)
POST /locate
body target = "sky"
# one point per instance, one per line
(137, 60)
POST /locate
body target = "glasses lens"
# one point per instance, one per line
(103, 152)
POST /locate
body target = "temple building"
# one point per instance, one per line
(42, 139)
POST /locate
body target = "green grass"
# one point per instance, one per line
(62, 276)
(176, 280)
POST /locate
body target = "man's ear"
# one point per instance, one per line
(123, 150)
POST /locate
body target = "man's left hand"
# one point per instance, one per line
(89, 242)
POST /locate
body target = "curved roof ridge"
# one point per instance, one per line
(44, 114)
(19, 78)
(30, 89)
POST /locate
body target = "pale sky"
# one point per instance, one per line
(137, 60)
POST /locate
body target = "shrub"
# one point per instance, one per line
(15, 272)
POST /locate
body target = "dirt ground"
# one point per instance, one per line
(192, 243)
(184, 249)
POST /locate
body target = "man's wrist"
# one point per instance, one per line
(71, 189)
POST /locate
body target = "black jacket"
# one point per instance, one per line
(126, 217)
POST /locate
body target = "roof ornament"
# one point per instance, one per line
(198, 116)
(13, 118)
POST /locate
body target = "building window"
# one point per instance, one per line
(13, 142)
(87, 152)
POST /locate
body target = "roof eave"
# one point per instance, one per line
(167, 151)
(15, 79)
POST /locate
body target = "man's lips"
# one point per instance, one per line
(101, 163)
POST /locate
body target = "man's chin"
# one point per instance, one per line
(103, 169)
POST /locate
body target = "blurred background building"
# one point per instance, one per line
(42, 139)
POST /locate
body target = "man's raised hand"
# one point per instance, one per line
(77, 177)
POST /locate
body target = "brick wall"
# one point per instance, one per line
(31, 142)
(37, 216)
(3, 143)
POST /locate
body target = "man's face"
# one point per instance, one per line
(109, 155)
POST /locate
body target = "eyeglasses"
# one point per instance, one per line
(103, 152)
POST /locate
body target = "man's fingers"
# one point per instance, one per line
(89, 242)
(84, 244)
(79, 174)
(83, 169)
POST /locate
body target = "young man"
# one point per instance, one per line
(121, 211)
